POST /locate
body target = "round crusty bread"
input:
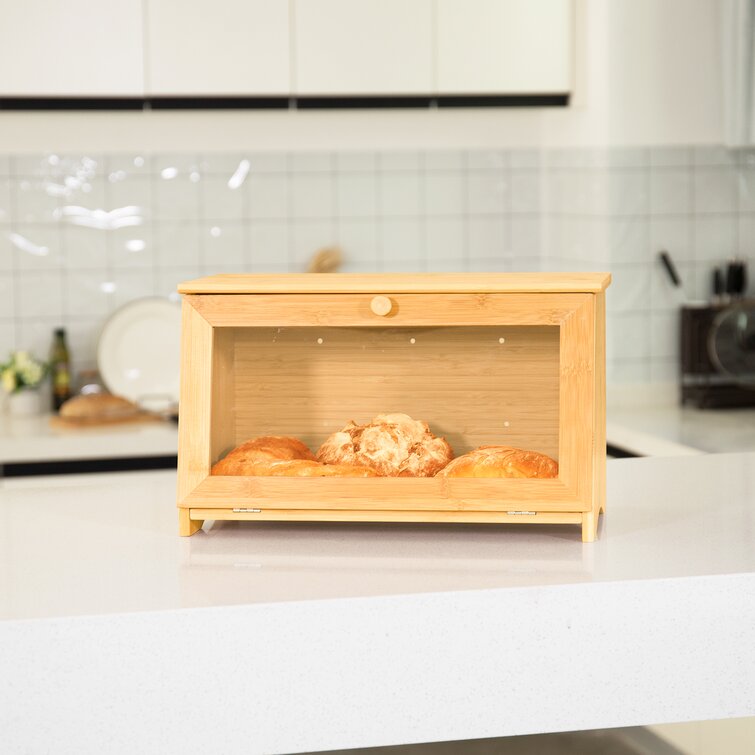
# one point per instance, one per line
(98, 405)
(394, 445)
(265, 449)
(501, 461)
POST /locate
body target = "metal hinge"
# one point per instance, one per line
(247, 511)
(523, 513)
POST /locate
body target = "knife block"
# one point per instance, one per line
(500, 359)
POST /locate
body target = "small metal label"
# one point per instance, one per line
(247, 511)
(522, 513)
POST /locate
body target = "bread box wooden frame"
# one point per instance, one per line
(219, 309)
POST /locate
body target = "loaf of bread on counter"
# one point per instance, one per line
(393, 445)
(98, 405)
(501, 461)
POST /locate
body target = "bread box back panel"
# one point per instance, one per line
(512, 360)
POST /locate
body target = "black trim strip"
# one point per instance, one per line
(621, 453)
(72, 103)
(353, 102)
(376, 102)
(503, 100)
(85, 466)
(217, 103)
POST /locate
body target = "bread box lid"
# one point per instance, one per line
(425, 283)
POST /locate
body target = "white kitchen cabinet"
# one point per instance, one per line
(363, 47)
(223, 47)
(504, 46)
(75, 48)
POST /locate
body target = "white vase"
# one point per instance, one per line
(25, 403)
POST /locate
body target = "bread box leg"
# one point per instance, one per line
(186, 525)
(590, 520)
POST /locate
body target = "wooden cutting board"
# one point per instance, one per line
(79, 423)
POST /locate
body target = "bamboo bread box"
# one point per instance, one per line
(514, 359)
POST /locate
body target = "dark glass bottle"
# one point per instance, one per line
(60, 370)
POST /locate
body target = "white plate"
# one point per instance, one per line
(139, 352)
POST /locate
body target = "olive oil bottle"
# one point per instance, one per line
(60, 370)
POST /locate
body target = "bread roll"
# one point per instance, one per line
(98, 405)
(501, 461)
(265, 449)
(394, 445)
(306, 468)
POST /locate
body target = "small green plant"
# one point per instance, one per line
(21, 371)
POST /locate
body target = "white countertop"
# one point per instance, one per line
(297, 637)
(32, 439)
(680, 431)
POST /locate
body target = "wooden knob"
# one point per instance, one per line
(381, 305)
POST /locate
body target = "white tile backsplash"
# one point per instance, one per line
(714, 237)
(37, 247)
(672, 235)
(358, 240)
(628, 336)
(269, 245)
(444, 193)
(445, 160)
(630, 289)
(399, 194)
(446, 210)
(177, 198)
(177, 244)
(39, 294)
(308, 237)
(487, 160)
(357, 195)
(670, 191)
(525, 191)
(670, 157)
(487, 193)
(715, 190)
(357, 162)
(399, 161)
(130, 247)
(5, 199)
(7, 292)
(628, 192)
(85, 295)
(224, 248)
(487, 238)
(402, 239)
(267, 196)
(7, 250)
(313, 195)
(220, 201)
(32, 202)
(445, 239)
(7, 338)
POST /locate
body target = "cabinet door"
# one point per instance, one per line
(72, 48)
(504, 46)
(367, 47)
(223, 47)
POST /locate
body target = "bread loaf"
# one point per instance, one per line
(265, 449)
(501, 461)
(98, 405)
(394, 445)
(306, 468)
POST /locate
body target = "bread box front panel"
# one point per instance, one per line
(480, 368)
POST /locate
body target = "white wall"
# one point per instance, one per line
(665, 72)
(647, 72)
